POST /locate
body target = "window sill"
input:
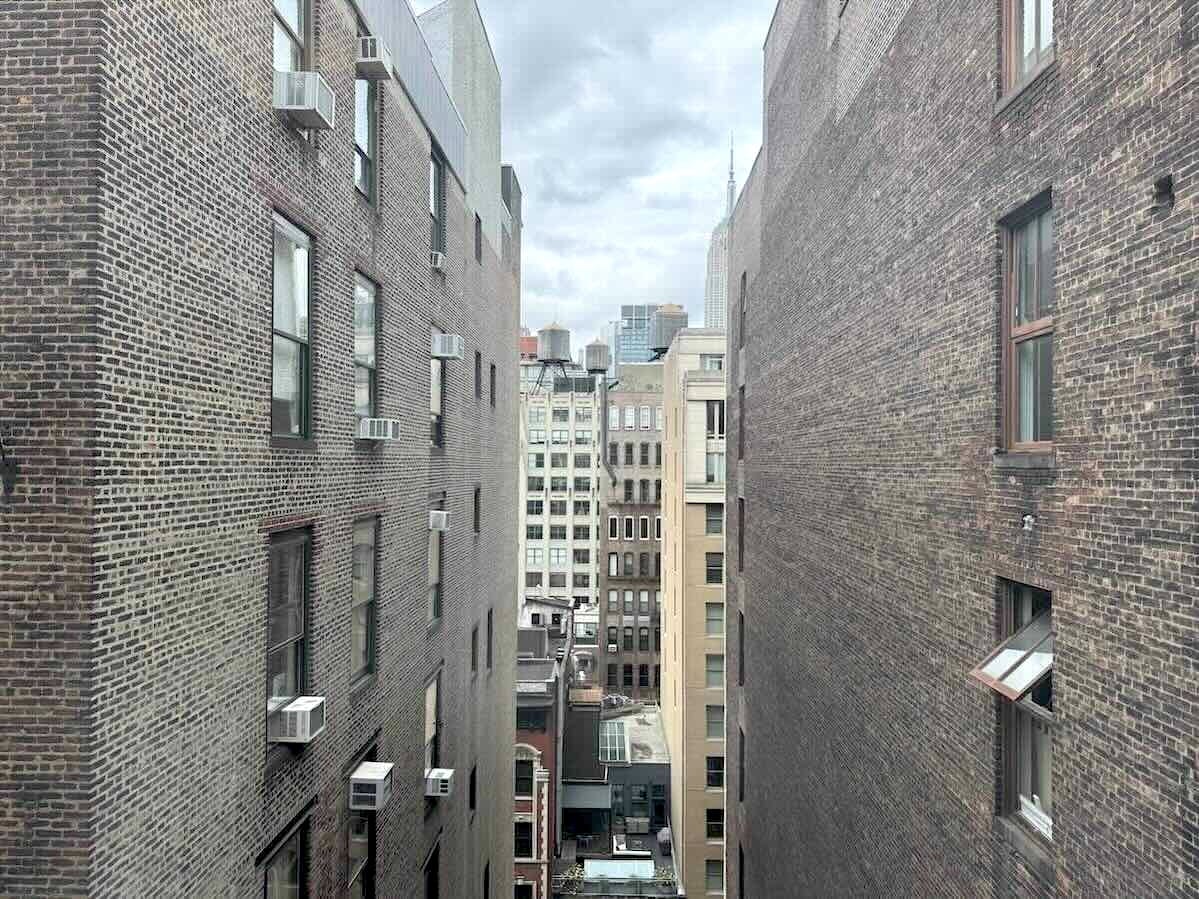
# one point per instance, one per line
(1014, 459)
(1033, 850)
(370, 447)
(1016, 91)
(433, 626)
(363, 684)
(299, 444)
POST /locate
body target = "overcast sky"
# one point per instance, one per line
(617, 115)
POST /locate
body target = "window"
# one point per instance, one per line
(612, 635)
(291, 377)
(1029, 304)
(582, 438)
(611, 675)
(582, 460)
(557, 507)
(713, 875)
(286, 868)
(628, 565)
(658, 456)
(362, 612)
(628, 639)
(627, 675)
(643, 564)
(489, 633)
(560, 437)
(492, 382)
(580, 557)
(613, 527)
(365, 386)
(612, 743)
(433, 875)
(714, 719)
(741, 422)
(536, 485)
(433, 722)
(643, 675)
(436, 398)
(658, 527)
(557, 532)
(714, 467)
(713, 619)
(534, 532)
(713, 518)
(643, 527)
(646, 421)
(613, 606)
(613, 564)
(474, 649)
(613, 453)
(740, 649)
(613, 418)
(711, 362)
(657, 673)
(1020, 670)
(741, 326)
(582, 532)
(628, 527)
(478, 239)
(645, 454)
(643, 602)
(437, 203)
(714, 823)
(740, 765)
(644, 485)
(360, 855)
(560, 416)
(628, 490)
(630, 418)
(582, 507)
(523, 839)
(714, 563)
(532, 578)
(657, 639)
(628, 602)
(479, 379)
(643, 639)
(657, 564)
(657, 491)
(524, 778)
(478, 509)
(583, 414)
(1028, 39)
(558, 558)
(487, 881)
(287, 613)
(715, 418)
(559, 460)
(559, 485)
(714, 671)
(583, 485)
(659, 419)
(365, 136)
(628, 454)
(715, 771)
(740, 534)
(638, 800)
(291, 30)
(534, 555)
(536, 435)
(472, 791)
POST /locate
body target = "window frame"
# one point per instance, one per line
(366, 870)
(437, 201)
(372, 604)
(367, 157)
(297, 39)
(364, 283)
(1013, 78)
(281, 542)
(437, 419)
(714, 772)
(282, 226)
(300, 835)
(516, 841)
(714, 824)
(519, 779)
(708, 569)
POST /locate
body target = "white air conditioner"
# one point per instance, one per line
(437, 261)
(448, 346)
(300, 721)
(374, 59)
(370, 786)
(612, 648)
(439, 521)
(306, 99)
(378, 429)
(439, 782)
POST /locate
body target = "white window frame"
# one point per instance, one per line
(613, 527)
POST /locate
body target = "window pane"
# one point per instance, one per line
(288, 55)
(1028, 35)
(287, 382)
(364, 392)
(292, 12)
(1034, 389)
(358, 850)
(435, 371)
(434, 557)
(361, 658)
(713, 619)
(1046, 24)
(1045, 294)
(283, 675)
(1024, 240)
(291, 286)
(283, 871)
(364, 322)
(286, 606)
(363, 94)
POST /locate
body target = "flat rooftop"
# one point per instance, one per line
(646, 736)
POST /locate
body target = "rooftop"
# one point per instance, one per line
(643, 732)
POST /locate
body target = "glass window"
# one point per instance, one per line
(1031, 304)
(612, 676)
(658, 526)
(714, 467)
(628, 603)
(433, 722)
(713, 619)
(558, 557)
(534, 532)
(714, 564)
(613, 527)
(524, 777)
(436, 547)
(360, 855)
(659, 419)
(711, 362)
(715, 418)
(714, 823)
(628, 639)
(643, 639)
(646, 420)
(523, 839)
(628, 527)
(643, 675)
(365, 137)
(658, 460)
(643, 602)
(534, 555)
(365, 383)
(613, 564)
(713, 518)
(643, 527)
(713, 875)
(613, 606)
(627, 675)
(713, 671)
(285, 869)
(714, 720)
(437, 203)
(645, 454)
(291, 27)
(291, 385)
(1029, 26)
(436, 398)
(613, 418)
(628, 454)
(715, 771)
(286, 618)
(630, 418)
(628, 565)
(362, 614)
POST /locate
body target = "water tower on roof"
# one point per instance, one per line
(597, 357)
(553, 350)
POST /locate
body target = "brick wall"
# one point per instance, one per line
(192, 162)
(880, 523)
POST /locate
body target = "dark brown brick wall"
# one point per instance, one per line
(142, 418)
(879, 522)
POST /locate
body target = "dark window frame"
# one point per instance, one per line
(520, 779)
(519, 841)
(373, 603)
(300, 834)
(437, 201)
(280, 543)
(282, 225)
(710, 565)
(366, 158)
(478, 239)
(1015, 75)
(372, 367)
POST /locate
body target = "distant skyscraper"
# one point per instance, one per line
(716, 291)
(630, 335)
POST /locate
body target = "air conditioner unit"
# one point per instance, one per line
(300, 721)
(437, 261)
(612, 648)
(306, 99)
(439, 521)
(448, 346)
(374, 59)
(370, 786)
(439, 782)
(378, 429)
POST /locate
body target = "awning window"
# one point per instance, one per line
(1021, 661)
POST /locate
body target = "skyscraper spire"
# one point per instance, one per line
(732, 179)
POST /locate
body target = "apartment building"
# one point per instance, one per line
(631, 540)
(560, 480)
(962, 384)
(258, 625)
(693, 614)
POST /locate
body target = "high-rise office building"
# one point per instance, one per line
(258, 319)
(692, 694)
(630, 335)
(716, 288)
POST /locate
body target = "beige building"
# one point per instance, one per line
(693, 603)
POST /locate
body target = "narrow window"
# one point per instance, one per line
(714, 823)
(613, 527)
(291, 29)
(741, 422)
(627, 676)
(478, 239)
(489, 634)
(714, 619)
(643, 527)
(436, 565)
(366, 139)
(287, 616)
(362, 613)
(478, 510)
(493, 385)
(741, 326)
(523, 839)
(1028, 39)
(473, 787)
(479, 375)
(657, 455)
(645, 454)
(740, 765)
(714, 721)
(487, 881)
(437, 203)
(287, 868)
(740, 649)
(714, 568)
(524, 779)
(474, 649)
(643, 675)
(628, 639)
(1029, 304)
(714, 671)
(713, 518)
(740, 533)
(715, 771)
(436, 398)
(713, 875)
(715, 418)
(628, 454)
(291, 385)
(433, 875)
(433, 722)
(366, 402)
(643, 639)
(612, 676)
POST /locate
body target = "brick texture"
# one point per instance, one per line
(135, 378)
(879, 523)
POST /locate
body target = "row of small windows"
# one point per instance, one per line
(536, 484)
(643, 643)
(557, 580)
(640, 532)
(644, 418)
(558, 415)
(536, 507)
(643, 603)
(563, 460)
(643, 679)
(614, 454)
(630, 495)
(561, 437)
(615, 568)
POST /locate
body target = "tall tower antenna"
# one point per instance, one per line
(732, 179)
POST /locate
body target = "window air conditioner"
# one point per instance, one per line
(448, 346)
(439, 521)
(437, 261)
(374, 59)
(612, 648)
(439, 782)
(300, 721)
(306, 99)
(370, 786)
(378, 429)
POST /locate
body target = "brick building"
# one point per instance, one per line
(963, 410)
(631, 537)
(203, 296)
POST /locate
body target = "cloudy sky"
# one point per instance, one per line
(617, 116)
